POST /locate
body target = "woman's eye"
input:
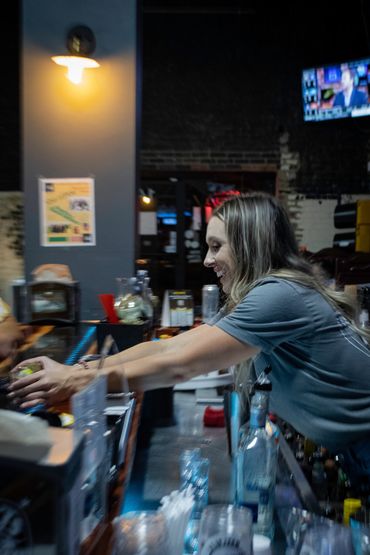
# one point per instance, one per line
(215, 247)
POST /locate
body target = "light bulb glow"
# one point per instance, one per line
(75, 66)
(146, 199)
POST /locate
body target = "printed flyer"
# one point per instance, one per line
(67, 212)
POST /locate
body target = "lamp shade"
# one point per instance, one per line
(75, 66)
(80, 44)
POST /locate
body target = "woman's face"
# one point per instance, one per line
(219, 255)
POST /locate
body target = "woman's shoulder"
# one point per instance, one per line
(283, 291)
(282, 283)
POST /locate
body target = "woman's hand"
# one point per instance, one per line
(52, 384)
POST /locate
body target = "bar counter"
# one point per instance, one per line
(151, 466)
(156, 466)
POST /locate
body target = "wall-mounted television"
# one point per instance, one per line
(336, 91)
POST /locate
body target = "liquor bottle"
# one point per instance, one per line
(256, 466)
(143, 290)
(363, 318)
(128, 304)
(319, 479)
(147, 301)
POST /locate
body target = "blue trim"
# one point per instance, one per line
(80, 348)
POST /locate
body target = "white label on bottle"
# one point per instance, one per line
(223, 545)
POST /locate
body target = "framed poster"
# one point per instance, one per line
(67, 212)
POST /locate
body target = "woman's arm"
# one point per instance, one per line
(148, 348)
(58, 382)
(197, 351)
(162, 364)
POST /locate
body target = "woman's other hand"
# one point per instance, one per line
(52, 384)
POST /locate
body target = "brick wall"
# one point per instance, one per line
(224, 92)
(206, 160)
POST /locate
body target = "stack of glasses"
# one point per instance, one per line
(194, 473)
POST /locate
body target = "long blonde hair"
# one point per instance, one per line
(263, 243)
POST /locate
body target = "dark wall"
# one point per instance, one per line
(228, 81)
(9, 101)
(222, 80)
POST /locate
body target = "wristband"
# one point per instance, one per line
(83, 363)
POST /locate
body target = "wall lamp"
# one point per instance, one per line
(80, 45)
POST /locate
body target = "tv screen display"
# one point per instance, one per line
(49, 301)
(336, 91)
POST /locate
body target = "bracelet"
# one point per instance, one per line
(83, 363)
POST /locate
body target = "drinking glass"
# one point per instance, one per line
(128, 305)
(140, 533)
(187, 458)
(295, 525)
(227, 528)
(327, 538)
(194, 471)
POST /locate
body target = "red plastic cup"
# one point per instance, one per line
(107, 301)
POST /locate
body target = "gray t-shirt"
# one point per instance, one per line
(320, 366)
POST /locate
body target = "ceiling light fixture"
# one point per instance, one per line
(80, 45)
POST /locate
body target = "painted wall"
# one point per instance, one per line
(82, 131)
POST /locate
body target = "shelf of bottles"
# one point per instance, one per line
(321, 481)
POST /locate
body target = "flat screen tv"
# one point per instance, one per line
(336, 91)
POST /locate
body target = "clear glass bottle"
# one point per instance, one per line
(142, 288)
(140, 277)
(128, 304)
(256, 466)
(318, 476)
(147, 301)
(364, 301)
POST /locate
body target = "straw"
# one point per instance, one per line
(107, 344)
(177, 508)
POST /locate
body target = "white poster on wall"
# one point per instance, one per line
(148, 223)
(67, 212)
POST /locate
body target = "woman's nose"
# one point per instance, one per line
(209, 260)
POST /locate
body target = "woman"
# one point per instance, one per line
(277, 312)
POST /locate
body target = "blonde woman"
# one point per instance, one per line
(277, 312)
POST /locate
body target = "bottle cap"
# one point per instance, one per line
(214, 417)
(261, 545)
(264, 386)
(363, 318)
(350, 506)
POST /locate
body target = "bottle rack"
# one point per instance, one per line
(318, 476)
